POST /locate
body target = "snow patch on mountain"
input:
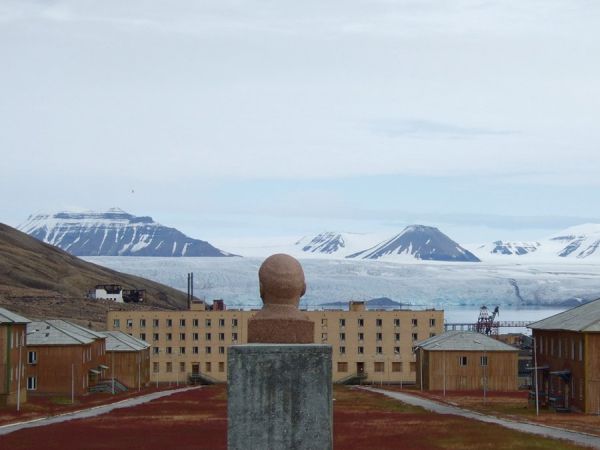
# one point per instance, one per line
(113, 232)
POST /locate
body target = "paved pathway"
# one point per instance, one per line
(543, 430)
(90, 412)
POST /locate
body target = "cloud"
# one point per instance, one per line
(421, 128)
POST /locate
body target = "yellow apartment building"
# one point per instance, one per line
(373, 345)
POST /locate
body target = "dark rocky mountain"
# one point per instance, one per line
(514, 248)
(114, 233)
(327, 242)
(418, 242)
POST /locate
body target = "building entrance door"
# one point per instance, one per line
(195, 368)
(360, 368)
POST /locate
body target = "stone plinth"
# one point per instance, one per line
(279, 397)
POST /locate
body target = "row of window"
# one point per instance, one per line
(194, 336)
(379, 366)
(378, 336)
(378, 322)
(208, 366)
(183, 350)
(463, 361)
(169, 323)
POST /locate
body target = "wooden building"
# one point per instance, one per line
(128, 358)
(567, 347)
(466, 361)
(12, 357)
(63, 358)
(373, 346)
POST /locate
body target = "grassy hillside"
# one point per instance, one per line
(37, 279)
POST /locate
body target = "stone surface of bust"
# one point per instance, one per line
(282, 283)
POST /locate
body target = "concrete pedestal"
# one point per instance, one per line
(279, 397)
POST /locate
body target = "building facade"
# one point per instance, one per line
(63, 358)
(567, 350)
(128, 359)
(466, 361)
(376, 346)
(13, 386)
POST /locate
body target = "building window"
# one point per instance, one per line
(143, 336)
(155, 323)
(195, 323)
(234, 323)
(361, 336)
(207, 322)
(462, 361)
(155, 367)
(169, 367)
(396, 350)
(116, 323)
(169, 336)
(361, 322)
(342, 336)
(397, 337)
(361, 350)
(342, 350)
(221, 350)
(195, 336)
(155, 350)
(221, 322)
(432, 322)
(182, 366)
(169, 323)
(396, 366)
(182, 336)
(379, 350)
(379, 366)
(129, 323)
(142, 323)
(207, 336)
(182, 350)
(155, 336)
(378, 322)
(323, 336)
(379, 336)
(221, 336)
(342, 322)
(32, 357)
(234, 337)
(207, 350)
(483, 360)
(396, 322)
(168, 350)
(182, 322)
(195, 350)
(415, 336)
(414, 322)
(323, 322)
(207, 366)
(221, 366)
(31, 383)
(342, 367)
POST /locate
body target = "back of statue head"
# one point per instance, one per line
(281, 280)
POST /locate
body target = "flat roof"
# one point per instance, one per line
(585, 317)
(464, 341)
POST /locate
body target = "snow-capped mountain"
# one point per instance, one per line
(581, 242)
(418, 242)
(330, 244)
(509, 248)
(113, 233)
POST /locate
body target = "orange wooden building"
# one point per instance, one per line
(568, 358)
(128, 358)
(12, 357)
(465, 360)
(63, 358)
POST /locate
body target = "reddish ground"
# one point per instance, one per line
(514, 406)
(197, 420)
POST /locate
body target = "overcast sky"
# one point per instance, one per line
(242, 118)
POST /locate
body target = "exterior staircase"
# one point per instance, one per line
(107, 386)
(355, 378)
(201, 378)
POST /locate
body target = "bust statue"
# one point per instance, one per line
(281, 281)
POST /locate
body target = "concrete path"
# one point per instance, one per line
(542, 430)
(90, 412)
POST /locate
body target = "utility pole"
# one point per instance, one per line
(20, 373)
(535, 376)
(72, 384)
(113, 371)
